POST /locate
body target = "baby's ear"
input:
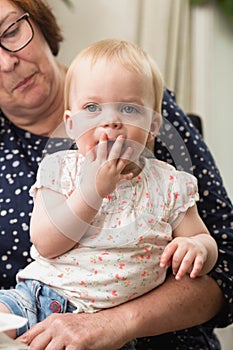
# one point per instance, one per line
(155, 124)
(68, 123)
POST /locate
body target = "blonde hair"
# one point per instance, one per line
(129, 55)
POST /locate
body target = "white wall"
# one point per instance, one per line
(213, 74)
(91, 20)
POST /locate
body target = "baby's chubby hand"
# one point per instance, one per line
(102, 169)
(185, 255)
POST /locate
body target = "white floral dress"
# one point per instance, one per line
(117, 259)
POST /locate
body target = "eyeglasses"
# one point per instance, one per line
(17, 35)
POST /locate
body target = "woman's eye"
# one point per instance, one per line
(11, 32)
(92, 108)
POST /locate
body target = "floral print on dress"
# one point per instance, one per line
(118, 257)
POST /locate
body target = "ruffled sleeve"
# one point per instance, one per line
(57, 172)
(183, 195)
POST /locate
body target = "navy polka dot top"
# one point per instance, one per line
(178, 143)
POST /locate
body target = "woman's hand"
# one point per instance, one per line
(194, 300)
(77, 332)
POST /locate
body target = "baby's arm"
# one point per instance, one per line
(57, 222)
(192, 250)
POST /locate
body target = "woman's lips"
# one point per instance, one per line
(24, 83)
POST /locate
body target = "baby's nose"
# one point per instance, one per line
(113, 125)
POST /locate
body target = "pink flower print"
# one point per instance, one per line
(78, 245)
(60, 276)
(171, 177)
(82, 283)
(127, 283)
(177, 195)
(114, 293)
(147, 195)
(121, 266)
(120, 278)
(143, 274)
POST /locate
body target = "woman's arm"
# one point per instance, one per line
(172, 306)
(214, 206)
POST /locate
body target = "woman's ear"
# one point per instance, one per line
(68, 123)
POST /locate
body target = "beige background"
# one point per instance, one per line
(193, 47)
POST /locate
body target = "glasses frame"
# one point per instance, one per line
(25, 17)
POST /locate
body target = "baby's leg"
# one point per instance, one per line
(11, 333)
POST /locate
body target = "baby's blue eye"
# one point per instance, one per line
(93, 108)
(129, 109)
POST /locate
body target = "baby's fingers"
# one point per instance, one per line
(124, 160)
(102, 147)
(197, 266)
(115, 152)
(182, 263)
(167, 254)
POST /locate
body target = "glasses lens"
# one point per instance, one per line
(17, 35)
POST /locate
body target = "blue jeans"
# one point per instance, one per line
(35, 301)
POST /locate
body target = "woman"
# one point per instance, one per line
(31, 91)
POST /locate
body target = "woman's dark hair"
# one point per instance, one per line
(42, 16)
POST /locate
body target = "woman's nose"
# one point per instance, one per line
(8, 60)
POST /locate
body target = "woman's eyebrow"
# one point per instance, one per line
(6, 17)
